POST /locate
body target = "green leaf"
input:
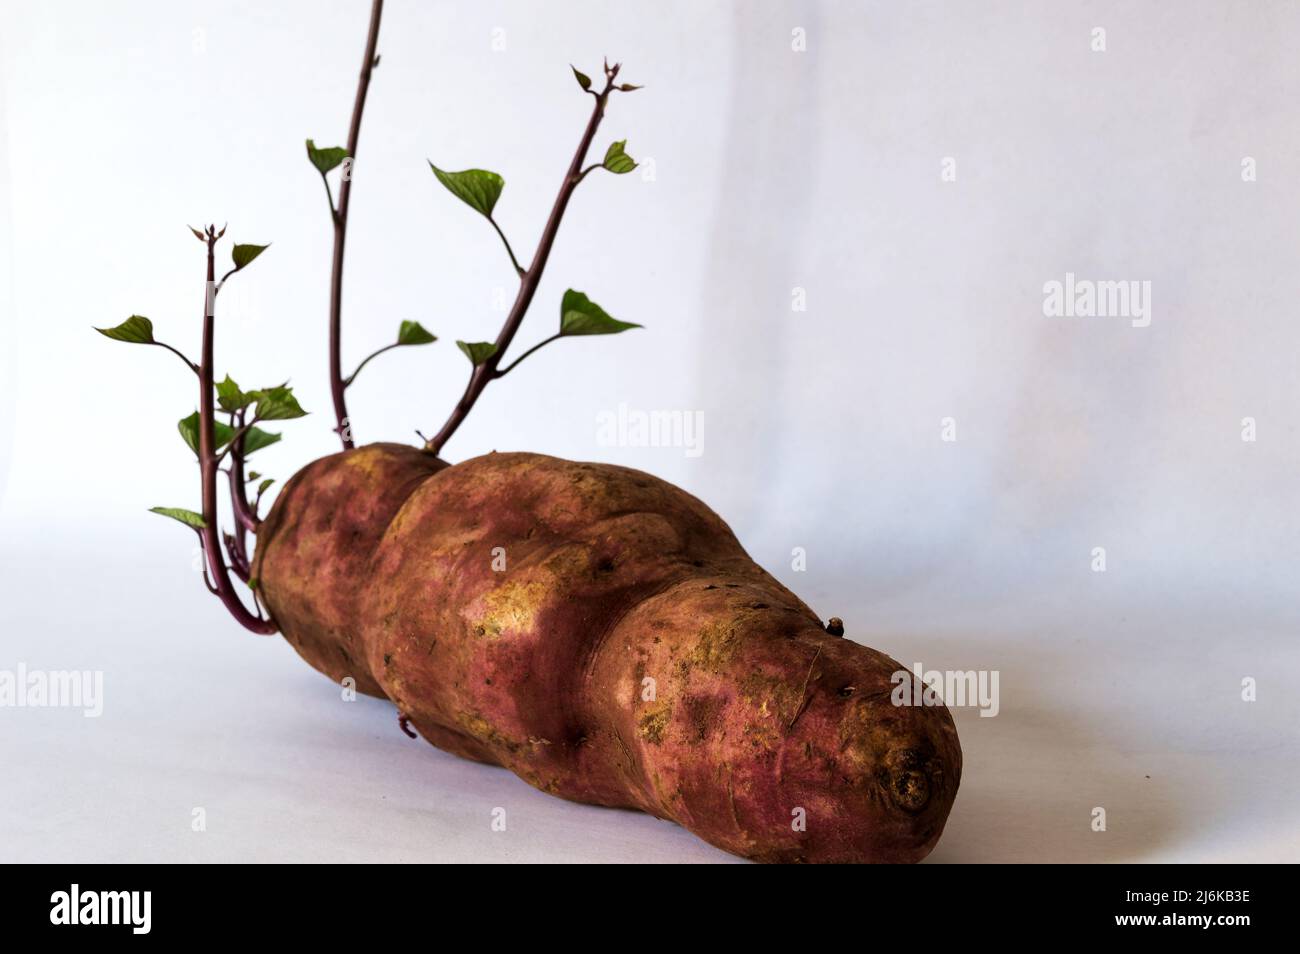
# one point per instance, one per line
(628, 87)
(229, 397)
(261, 488)
(135, 330)
(413, 333)
(477, 188)
(276, 404)
(327, 158)
(187, 517)
(583, 79)
(255, 439)
(616, 160)
(189, 428)
(579, 315)
(477, 351)
(253, 475)
(243, 254)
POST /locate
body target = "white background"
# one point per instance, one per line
(774, 170)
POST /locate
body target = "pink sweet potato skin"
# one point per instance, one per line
(629, 652)
(323, 532)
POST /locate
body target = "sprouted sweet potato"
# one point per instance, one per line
(603, 635)
(595, 630)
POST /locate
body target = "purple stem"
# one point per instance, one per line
(337, 383)
(530, 279)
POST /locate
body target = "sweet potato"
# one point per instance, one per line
(628, 653)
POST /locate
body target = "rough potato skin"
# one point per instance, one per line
(629, 653)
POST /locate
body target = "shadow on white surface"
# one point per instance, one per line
(200, 715)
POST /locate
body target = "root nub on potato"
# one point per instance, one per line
(603, 635)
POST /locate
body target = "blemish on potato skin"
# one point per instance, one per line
(702, 714)
(652, 725)
(480, 728)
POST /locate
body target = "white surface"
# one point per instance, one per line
(1102, 704)
(774, 169)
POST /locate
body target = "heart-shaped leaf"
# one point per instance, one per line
(135, 330)
(579, 315)
(477, 188)
(255, 439)
(477, 351)
(189, 428)
(327, 158)
(187, 517)
(243, 254)
(276, 404)
(413, 333)
(229, 397)
(616, 160)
